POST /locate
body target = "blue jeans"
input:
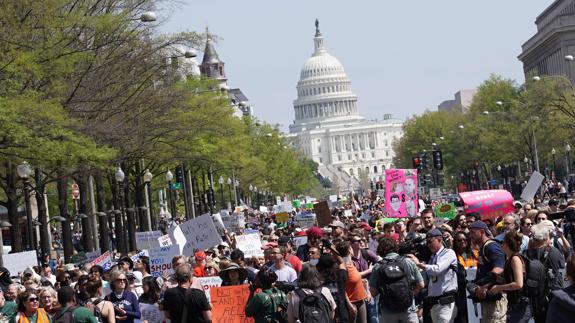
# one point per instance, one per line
(520, 312)
(373, 310)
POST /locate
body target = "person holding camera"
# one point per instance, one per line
(442, 274)
(270, 303)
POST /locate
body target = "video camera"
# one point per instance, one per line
(417, 247)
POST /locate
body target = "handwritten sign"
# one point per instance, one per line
(197, 234)
(282, 217)
(161, 259)
(305, 220)
(489, 203)
(347, 213)
(228, 304)
(165, 240)
(401, 193)
(234, 222)
(206, 284)
(446, 211)
(322, 213)
(217, 218)
(250, 244)
(151, 313)
(286, 207)
(105, 260)
(264, 209)
(147, 239)
(17, 262)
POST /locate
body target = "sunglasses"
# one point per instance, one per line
(123, 280)
(32, 299)
(528, 224)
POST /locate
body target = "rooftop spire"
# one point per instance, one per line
(319, 49)
(210, 54)
(317, 32)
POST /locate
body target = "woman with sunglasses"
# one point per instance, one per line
(49, 300)
(29, 310)
(126, 304)
(526, 224)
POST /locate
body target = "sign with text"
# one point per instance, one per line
(105, 260)
(446, 211)
(228, 304)
(532, 186)
(323, 214)
(161, 259)
(282, 217)
(305, 220)
(17, 262)
(206, 284)
(299, 241)
(234, 223)
(197, 234)
(401, 193)
(147, 239)
(250, 244)
(137, 256)
(217, 218)
(151, 313)
(488, 203)
(165, 240)
(435, 193)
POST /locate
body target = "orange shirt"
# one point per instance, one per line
(200, 271)
(354, 285)
(470, 261)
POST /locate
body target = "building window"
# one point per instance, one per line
(319, 149)
(382, 168)
(351, 171)
(320, 160)
(362, 155)
(367, 169)
(338, 157)
(372, 154)
(349, 157)
(387, 153)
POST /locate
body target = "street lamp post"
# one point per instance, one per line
(229, 181)
(568, 157)
(147, 183)
(236, 187)
(119, 176)
(553, 152)
(169, 178)
(221, 182)
(24, 171)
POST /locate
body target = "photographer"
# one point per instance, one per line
(270, 302)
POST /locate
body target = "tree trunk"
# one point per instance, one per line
(42, 213)
(118, 223)
(101, 206)
(12, 206)
(130, 213)
(87, 239)
(63, 206)
(140, 203)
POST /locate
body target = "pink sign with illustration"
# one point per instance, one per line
(401, 198)
(489, 204)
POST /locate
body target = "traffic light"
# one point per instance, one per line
(416, 163)
(437, 160)
(179, 174)
(424, 162)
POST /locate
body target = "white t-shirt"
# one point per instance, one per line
(293, 301)
(286, 274)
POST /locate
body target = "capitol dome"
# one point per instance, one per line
(323, 91)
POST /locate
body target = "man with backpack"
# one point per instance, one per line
(71, 312)
(396, 279)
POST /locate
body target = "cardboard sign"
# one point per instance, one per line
(161, 259)
(219, 224)
(105, 260)
(18, 262)
(151, 313)
(250, 244)
(234, 223)
(206, 284)
(264, 209)
(228, 304)
(299, 241)
(197, 234)
(282, 217)
(165, 240)
(296, 203)
(401, 198)
(305, 220)
(347, 213)
(147, 239)
(532, 186)
(322, 213)
(446, 211)
(489, 203)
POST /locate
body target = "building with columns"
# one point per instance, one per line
(328, 127)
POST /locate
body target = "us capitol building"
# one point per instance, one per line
(328, 128)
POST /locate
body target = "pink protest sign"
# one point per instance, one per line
(489, 204)
(401, 193)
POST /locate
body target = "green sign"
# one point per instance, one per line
(309, 205)
(176, 186)
(296, 203)
(446, 211)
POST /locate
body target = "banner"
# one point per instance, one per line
(228, 304)
(305, 220)
(401, 199)
(489, 203)
(105, 260)
(250, 244)
(17, 262)
(147, 239)
(446, 211)
(161, 259)
(197, 234)
(299, 241)
(323, 214)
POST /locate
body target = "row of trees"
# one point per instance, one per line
(508, 129)
(86, 85)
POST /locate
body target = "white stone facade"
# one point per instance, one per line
(328, 128)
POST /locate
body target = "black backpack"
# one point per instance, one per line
(66, 316)
(313, 308)
(280, 314)
(341, 314)
(536, 283)
(396, 292)
(93, 306)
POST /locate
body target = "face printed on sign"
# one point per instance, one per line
(409, 186)
(395, 202)
(397, 188)
(410, 208)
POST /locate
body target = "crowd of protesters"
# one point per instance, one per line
(360, 268)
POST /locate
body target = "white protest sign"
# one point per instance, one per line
(347, 213)
(218, 223)
(139, 254)
(147, 239)
(250, 244)
(234, 223)
(199, 233)
(206, 283)
(90, 256)
(305, 220)
(151, 313)
(286, 207)
(161, 259)
(435, 193)
(165, 240)
(105, 260)
(532, 186)
(264, 209)
(299, 241)
(17, 262)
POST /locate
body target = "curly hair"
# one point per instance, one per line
(23, 297)
(314, 232)
(387, 245)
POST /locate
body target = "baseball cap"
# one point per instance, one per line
(433, 233)
(284, 240)
(479, 225)
(200, 255)
(337, 224)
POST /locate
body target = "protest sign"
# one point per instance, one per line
(206, 284)
(305, 220)
(219, 224)
(198, 233)
(137, 256)
(250, 244)
(435, 193)
(347, 213)
(296, 203)
(286, 207)
(17, 262)
(161, 259)
(228, 304)
(282, 217)
(488, 203)
(234, 223)
(264, 209)
(299, 241)
(322, 213)
(446, 211)
(147, 239)
(401, 193)
(105, 260)
(151, 313)
(532, 186)
(309, 205)
(79, 257)
(165, 240)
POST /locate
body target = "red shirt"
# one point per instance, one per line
(294, 262)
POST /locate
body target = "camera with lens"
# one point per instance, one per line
(416, 246)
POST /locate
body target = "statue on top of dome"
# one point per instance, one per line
(317, 33)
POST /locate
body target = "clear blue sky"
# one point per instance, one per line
(402, 57)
